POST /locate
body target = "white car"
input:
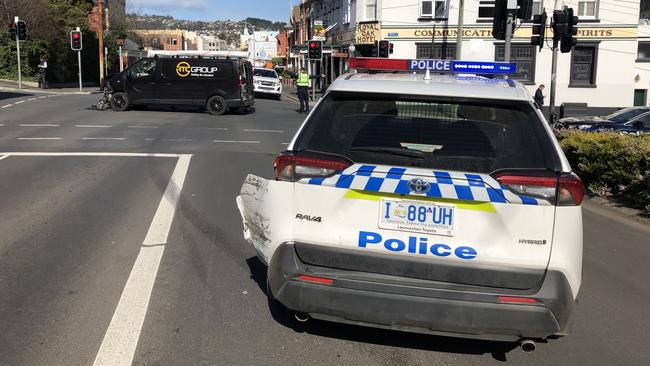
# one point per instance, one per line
(441, 206)
(267, 81)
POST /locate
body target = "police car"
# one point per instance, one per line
(429, 203)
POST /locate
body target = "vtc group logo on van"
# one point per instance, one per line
(183, 69)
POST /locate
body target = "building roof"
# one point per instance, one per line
(464, 86)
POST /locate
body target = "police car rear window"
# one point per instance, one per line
(442, 133)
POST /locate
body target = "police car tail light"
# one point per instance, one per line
(567, 190)
(571, 191)
(544, 187)
(293, 168)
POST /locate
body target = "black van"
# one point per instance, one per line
(217, 83)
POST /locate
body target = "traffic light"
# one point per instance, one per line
(500, 19)
(12, 31)
(569, 39)
(384, 49)
(559, 25)
(539, 30)
(315, 50)
(76, 40)
(21, 27)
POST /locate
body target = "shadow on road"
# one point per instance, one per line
(377, 336)
(11, 95)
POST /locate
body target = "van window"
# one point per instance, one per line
(144, 68)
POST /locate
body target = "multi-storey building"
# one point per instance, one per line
(610, 66)
(161, 39)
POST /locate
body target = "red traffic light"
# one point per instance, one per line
(75, 35)
(312, 44)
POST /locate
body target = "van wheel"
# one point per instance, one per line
(216, 105)
(119, 101)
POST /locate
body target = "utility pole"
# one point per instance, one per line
(556, 38)
(100, 35)
(510, 19)
(20, 78)
(79, 65)
(459, 36)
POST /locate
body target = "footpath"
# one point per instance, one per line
(32, 87)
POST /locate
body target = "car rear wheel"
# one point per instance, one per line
(216, 105)
(119, 101)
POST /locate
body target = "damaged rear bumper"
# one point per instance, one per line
(419, 305)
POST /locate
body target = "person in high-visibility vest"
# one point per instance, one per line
(302, 85)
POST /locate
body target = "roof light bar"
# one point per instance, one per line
(440, 66)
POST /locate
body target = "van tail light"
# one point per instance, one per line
(292, 168)
(565, 190)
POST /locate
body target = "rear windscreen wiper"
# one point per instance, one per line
(399, 151)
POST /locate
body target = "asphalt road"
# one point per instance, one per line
(94, 270)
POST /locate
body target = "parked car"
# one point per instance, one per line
(634, 120)
(218, 84)
(267, 81)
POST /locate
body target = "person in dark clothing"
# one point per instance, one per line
(539, 97)
(42, 73)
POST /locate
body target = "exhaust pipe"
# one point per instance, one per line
(527, 346)
(301, 317)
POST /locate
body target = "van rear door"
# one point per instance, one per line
(246, 80)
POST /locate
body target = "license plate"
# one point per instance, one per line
(417, 216)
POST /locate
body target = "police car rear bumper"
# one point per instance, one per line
(419, 305)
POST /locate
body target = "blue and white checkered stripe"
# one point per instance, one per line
(444, 184)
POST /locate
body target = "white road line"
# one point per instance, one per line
(38, 125)
(137, 155)
(6, 106)
(22, 101)
(103, 138)
(30, 99)
(2, 124)
(121, 338)
(92, 126)
(285, 143)
(149, 139)
(216, 128)
(178, 139)
(142, 126)
(43, 97)
(3, 156)
(269, 131)
(39, 138)
(236, 142)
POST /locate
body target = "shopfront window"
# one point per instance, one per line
(643, 52)
(524, 57)
(441, 51)
(583, 66)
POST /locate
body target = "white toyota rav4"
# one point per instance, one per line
(440, 205)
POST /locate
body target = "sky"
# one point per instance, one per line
(275, 10)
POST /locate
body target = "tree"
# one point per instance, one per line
(48, 27)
